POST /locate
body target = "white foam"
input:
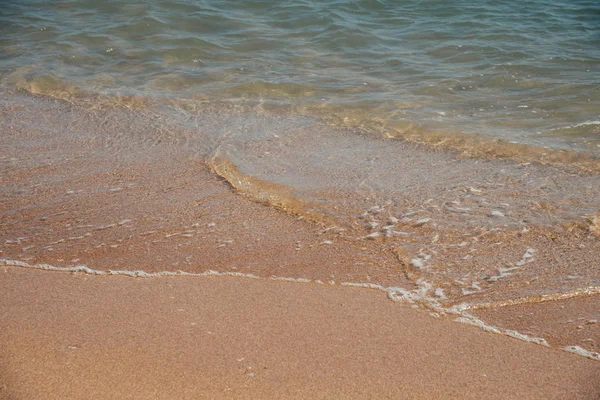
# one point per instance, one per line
(77, 237)
(422, 221)
(586, 123)
(130, 273)
(471, 320)
(100, 228)
(373, 235)
(298, 280)
(420, 260)
(504, 272)
(364, 285)
(418, 295)
(527, 257)
(583, 352)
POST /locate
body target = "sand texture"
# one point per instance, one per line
(75, 336)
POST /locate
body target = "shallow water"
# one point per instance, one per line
(520, 71)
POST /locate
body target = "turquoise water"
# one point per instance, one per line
(523, 71)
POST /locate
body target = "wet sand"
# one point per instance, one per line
(562, 322)
(78, 336)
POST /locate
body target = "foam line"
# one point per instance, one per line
(586, 123)
(583, 352)
(397, 294)
(472, 320)
(133, 274)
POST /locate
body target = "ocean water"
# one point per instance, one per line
(519, 71)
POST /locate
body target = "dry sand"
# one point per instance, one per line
(77, 336)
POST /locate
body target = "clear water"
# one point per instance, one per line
(523, 71)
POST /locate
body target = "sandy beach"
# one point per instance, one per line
(332, 199)
(76, 336)
(128, 189)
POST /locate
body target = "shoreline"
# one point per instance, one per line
(416, 298)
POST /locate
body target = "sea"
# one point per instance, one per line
(444, 152)
(523, 71)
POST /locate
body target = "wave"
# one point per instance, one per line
(369, 118)
(268, 193)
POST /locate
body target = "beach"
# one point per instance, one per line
(79, 336)
(136, 267)
(299, 199)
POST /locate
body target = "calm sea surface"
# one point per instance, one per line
(523, 71)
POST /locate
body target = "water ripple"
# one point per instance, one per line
(457, 57)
